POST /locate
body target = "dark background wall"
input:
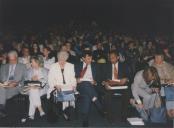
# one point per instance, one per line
(123, 15)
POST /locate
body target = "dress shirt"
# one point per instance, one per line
(88, 74)
(113, 70)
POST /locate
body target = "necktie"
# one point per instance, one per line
(82, 73)
(11, 75)
(63, 76)
(115, 72)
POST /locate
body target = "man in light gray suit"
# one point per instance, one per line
(143, 87)
(12, 76)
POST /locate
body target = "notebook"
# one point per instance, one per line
(135, 121)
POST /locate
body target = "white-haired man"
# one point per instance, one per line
(11, 78)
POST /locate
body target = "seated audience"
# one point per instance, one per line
(25, 58)
(99, 55)
(49, 59)
(35, 49)
(12, 76)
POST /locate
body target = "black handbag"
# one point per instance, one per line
(34, 83)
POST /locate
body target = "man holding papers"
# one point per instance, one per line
(116, 75)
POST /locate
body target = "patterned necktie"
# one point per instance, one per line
(82, 73)
(11, 74)
(115, 72)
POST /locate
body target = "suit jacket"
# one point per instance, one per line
(79, 67)
(139, 87)
(43, 75)
(55, 77)
(19, 73)
(123, 71)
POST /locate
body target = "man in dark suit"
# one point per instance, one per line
(86, 79)
(116, 74)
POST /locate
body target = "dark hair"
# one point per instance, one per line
(86, 53)
(114, 52)
(47, 48)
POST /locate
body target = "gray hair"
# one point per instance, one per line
(13, 53)
(62, 55)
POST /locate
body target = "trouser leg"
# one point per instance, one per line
(35, 101)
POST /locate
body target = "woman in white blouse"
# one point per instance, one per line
(62, 76)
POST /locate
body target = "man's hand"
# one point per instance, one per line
(141, 106)
(35, 78)
(93, 82)
(123, 81)
(112, 82)
(12, 84)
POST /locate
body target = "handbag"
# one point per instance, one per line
(62, 96)
(34, 83)
(169, 93)
(158, 114)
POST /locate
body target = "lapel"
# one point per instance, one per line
(119, 70)
(16, 69)
(7, 71)
(81, 66)
(93, 68)
(110, 71)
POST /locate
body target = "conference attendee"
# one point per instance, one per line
(69, 49)
(99, 55)
(40, 74)
(166, 73)
(62, 78)
(132, 56)
(12, 76)
(108, 45)
(167, 55)
(72, 55)
(25, 58)
(48, 57)
(141, 88)
(117, 74)
(86, 79)
(35, 49)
